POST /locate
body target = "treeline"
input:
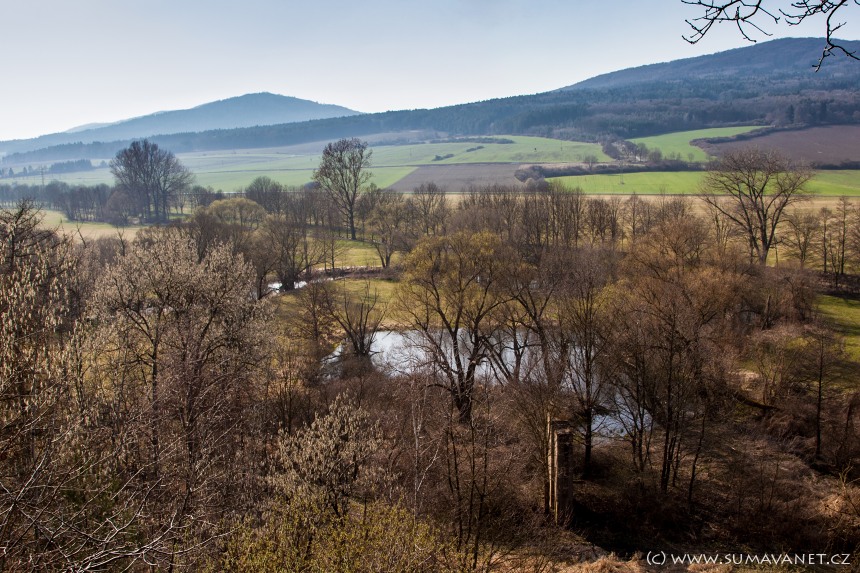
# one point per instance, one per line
(99, 203)
(54, 168)
(537, 172)
(71, 166)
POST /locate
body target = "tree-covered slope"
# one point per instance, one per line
(784, 61)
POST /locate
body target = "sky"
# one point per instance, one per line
(67, 64)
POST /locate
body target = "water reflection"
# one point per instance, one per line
(403, 353)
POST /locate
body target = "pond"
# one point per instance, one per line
(401, 353)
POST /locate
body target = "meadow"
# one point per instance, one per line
(227, 173)
(523, 150)
(87, 230)
(289, 304)
(679, 142)
(825, 184)
(844, 314)
(233, 170)
(660, 183)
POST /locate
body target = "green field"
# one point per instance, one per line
(668, 183)
(679, 142)
(230, 181)
(836, 183)
(230, 171)
(824, 184)
(844, 314)
(94, 177)
(523, 150)
(233, 170)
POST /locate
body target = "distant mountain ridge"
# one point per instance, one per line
(767, 84)
(259, 109)
(89, 126)
(782, 58)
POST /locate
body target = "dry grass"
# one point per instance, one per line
(85, 230)
(289, 303)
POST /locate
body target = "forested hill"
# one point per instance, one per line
(244, 111)
(770, 83)
(783, 62)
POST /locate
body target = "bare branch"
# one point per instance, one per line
(742, 12)
(748, 15)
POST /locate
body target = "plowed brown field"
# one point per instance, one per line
(817, 145)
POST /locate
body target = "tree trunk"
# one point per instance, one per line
(588, 439)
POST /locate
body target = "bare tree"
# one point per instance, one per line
(181, 341)
(839, 247)
(448, 295)
(752, 188)
(668, 347)
(431, 203)
(538, 389)
(388, 225)
(826, 352)
(343, 174)
(33, 309)
(582, 315)
(63, 507)
(286, 240)
(751, 17)
(152, 176)
(359, 316)
(267, 193)
(802, 228)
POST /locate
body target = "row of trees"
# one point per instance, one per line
(758, 196)
(101, 203)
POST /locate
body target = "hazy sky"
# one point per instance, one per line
(70, 63)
